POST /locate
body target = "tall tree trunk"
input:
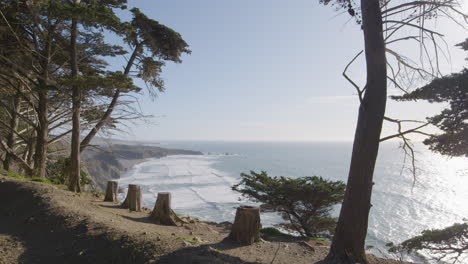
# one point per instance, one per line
(42, 133)
(348, 244)
(75, 159)
(30, 152)
(11, 134)
(112, 105)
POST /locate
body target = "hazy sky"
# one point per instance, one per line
(264, 70)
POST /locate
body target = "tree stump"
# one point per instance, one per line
(162, 211)
(111, 191)
(246, 227)
(133, 199)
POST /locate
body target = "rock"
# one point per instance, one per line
(158, 239)
(197, 239)
(187, 244)
(173, 234)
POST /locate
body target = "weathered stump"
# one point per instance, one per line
(162, 211)
(133, 199)
(246, 227)
(111, 191)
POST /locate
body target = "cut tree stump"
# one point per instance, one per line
(133, 199)
(163, 213)
(246, 227)
(111, 191)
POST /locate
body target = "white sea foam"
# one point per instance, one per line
(196, 187)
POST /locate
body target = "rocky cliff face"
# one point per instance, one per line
(109, 162)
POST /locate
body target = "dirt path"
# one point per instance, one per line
(40, 223)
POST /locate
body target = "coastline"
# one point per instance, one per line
(113, 161)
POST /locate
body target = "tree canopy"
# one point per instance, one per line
(446, 244)
(453, 120)
(55, 79)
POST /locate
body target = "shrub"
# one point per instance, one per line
(447, 244)
(57, 172)
(304, 202)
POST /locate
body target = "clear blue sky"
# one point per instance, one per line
(263, 70)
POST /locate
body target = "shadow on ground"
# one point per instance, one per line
(48, 235)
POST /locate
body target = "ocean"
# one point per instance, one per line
(403, 206)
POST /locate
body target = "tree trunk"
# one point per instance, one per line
(111, 191)
(75, 159)
(30, 154)
(162, 211)
(246, 227)
(42, 133)
(348, 244)
(133, 199)
(104, 119)
(11, 134)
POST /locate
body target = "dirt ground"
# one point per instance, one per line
(40, 223)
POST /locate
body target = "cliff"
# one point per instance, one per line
(109, 162)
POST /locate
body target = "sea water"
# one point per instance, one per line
(403, 204)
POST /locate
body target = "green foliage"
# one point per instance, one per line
(153, 43)
(273, 232)
(57, 172)
(305, 202)
(11, 174)
(35, 179)
(163, 42)
(149, 71)
(453, 120)
(447, 244)
(21, 177)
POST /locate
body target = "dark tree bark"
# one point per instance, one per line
(11, 134)
(348, 244)
(75, 159)
(246, 227)
(162, 211)
(42, 109)
(42, 134)
(111, 191)
(133, 199)
(30, 151)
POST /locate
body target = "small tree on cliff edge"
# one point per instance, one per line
(348, 245)
(304, 202)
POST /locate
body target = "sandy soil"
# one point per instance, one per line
(40, 223)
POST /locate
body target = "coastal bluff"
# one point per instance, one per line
(43, 223)
(109, 162)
